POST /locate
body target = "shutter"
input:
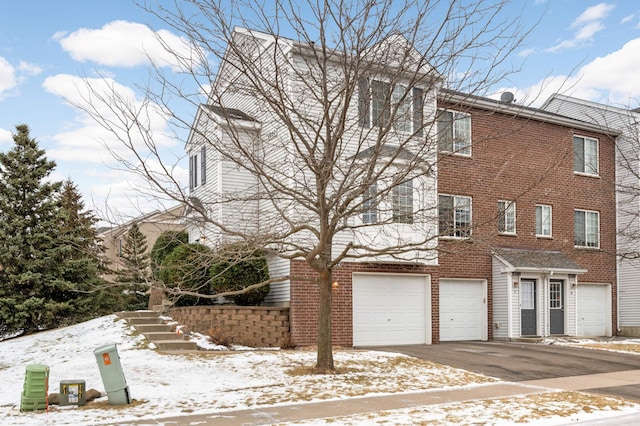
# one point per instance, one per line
(363, 102)
(203, 165)
(190, 173)
(417, 111)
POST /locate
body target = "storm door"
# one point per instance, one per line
(528, 307)
(556, 307)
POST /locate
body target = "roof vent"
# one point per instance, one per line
(506, 98)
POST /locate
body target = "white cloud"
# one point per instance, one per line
(8, 79)
(626, 19)
(29, 68)
(124, 44)
(587, 25)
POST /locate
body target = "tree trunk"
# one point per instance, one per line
(324, 362)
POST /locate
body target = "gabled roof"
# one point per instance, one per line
(229, 113)
(386, 151)
(523, 260)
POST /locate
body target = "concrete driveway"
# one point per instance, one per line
(524, 362)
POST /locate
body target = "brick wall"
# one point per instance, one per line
(305, 299)
(531, 163)
(256, 326)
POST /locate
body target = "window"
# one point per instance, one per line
(403, 202)
(454, 216)
(454, 132)
(378, 99)
(543, 220)
(198, 169)
(369, 205)
(586, 228)
(507, 217)
(585, 155)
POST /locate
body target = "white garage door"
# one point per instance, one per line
(390, 309)
(462, 310)
(593, 310)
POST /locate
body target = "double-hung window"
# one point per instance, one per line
(586, 228)
(402, 202)
(454, 132)
(198, 168)
(543, 220)
(585, 155)
(507, 217)
(379, 100)
(369, 205)
(454, 216)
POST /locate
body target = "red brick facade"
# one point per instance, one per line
(529, 162)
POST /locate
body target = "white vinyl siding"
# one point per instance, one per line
(501, 302)
(280, 292)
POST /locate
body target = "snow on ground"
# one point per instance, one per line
(216, 381)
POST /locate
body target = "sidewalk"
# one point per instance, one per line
(351, 406)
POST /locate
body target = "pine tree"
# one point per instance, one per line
(136, 272)
(33, 293)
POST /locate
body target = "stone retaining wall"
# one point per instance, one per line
(255, 326)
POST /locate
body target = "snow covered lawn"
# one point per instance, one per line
(215, 381)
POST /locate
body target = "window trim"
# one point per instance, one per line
(464, 151)
(369, 205)
(401, 211)
(506, 208)
(455, 229)
(586, 229)
(584, 171)
(411, 109)
(543, 206)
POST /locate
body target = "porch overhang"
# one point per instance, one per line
(536, 261)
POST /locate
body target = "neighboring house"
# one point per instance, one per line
(627, 177)
(527, 223)
(525, 230)
(151, 225)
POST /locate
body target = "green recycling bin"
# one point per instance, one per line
(112, 375)
(35, 389)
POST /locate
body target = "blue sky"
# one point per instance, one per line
(588, 49)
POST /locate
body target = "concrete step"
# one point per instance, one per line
(144, 320)
(152, 328)
(176, 345)
(136, 314)
(160, 335)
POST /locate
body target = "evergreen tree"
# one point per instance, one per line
(83, 252)
(136, 271)
(34, 294)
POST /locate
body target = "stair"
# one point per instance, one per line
(157, 332)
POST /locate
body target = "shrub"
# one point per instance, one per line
(164, 246)
(238, 268)
(187, 268)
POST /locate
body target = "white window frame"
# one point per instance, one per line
(458, 229)
(402, 202)
(455, 131)
(370, 205)
(588, 163)
(506, 217)
(541, 230)
(591, 228)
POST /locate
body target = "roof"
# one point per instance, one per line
(386, 151)
(229, 113)
(523, 260)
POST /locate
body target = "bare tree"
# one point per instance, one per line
(325, 112)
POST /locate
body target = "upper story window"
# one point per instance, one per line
(402, 202)
(454, 216)
(379, 99)
(370, 205)
(585, 155)
(454, 132)
(543, 220)
(198, 169)
(586, 228)
(507, 217)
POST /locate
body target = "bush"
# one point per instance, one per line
(239, 268)
(187, 268)
(164, 246)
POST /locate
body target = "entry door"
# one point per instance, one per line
(528, 307)
(556, 307)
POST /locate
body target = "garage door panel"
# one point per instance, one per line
(593, 312)
(462, 310)
(390, 309)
